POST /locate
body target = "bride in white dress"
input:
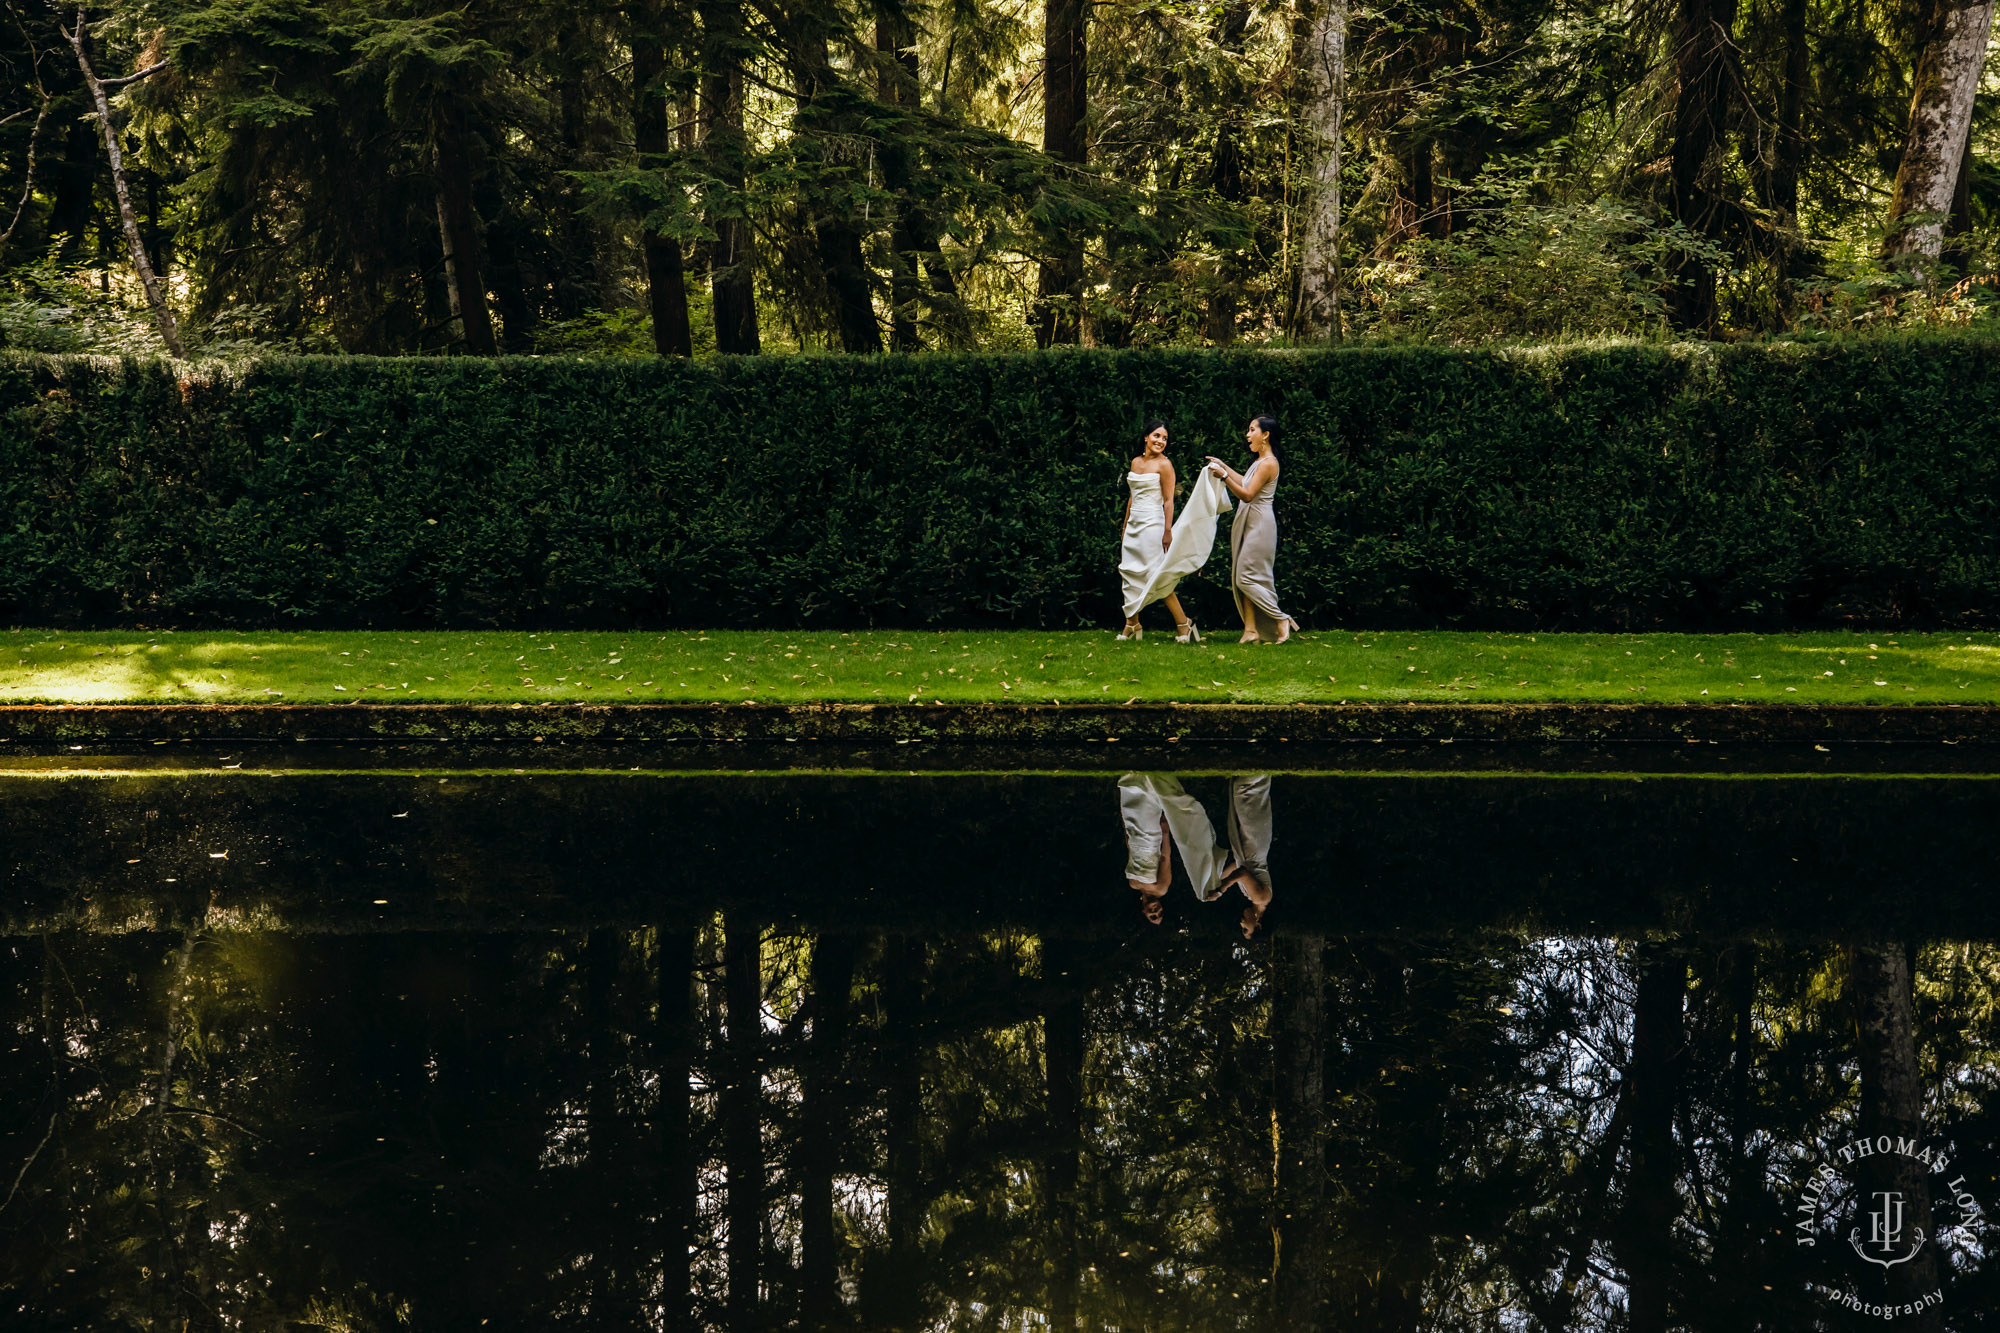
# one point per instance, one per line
(1153, 558)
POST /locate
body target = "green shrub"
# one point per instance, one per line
(1579, 486)
(1532, 271)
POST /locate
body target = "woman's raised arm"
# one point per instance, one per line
(1244, 486)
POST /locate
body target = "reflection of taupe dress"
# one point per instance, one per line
(1253, 556)
(1250, 825)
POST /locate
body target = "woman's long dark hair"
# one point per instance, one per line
(1146, 430)
(1269, 425)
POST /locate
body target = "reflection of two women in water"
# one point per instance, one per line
(1161, 818)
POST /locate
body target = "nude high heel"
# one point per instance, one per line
(1188, 633)
(1126, 636)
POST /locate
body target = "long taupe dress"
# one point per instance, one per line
(1253, 554)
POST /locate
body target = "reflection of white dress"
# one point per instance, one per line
(1149, 573)
(1143, 798)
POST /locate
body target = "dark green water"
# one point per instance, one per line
(384, 1051)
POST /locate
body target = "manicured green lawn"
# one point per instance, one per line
(895, 666)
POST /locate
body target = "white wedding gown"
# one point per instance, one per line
(1143, 798)
(1149, 573)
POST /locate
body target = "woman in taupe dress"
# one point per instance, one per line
(1253, 537)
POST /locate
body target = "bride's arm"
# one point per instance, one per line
(1167, 499)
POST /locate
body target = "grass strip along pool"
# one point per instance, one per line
(1015, 666)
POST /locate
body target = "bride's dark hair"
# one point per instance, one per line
(1148, 429)
(1269, 425)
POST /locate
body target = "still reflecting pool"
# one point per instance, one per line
(1007, 1051)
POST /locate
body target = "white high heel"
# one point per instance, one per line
(1126, 636)
(1189, 635)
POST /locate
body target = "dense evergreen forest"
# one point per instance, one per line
(684, 177)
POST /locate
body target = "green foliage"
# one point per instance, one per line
(1542, 272)
(292, 159)
(1868, 294)
(598, 333)
(44, 308)
(1581, 486)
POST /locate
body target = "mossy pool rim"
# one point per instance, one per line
(1025, 725)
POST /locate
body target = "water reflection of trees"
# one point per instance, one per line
(810, 1128)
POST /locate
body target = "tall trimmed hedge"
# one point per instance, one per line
(1632, 485)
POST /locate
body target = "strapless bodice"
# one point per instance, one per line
(1145, 490)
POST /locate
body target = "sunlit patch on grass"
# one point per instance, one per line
(1014, 667)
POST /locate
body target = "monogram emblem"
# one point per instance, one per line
(1885, 1241)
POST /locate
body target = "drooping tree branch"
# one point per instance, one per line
(163, 315)
(136, 75)
(41, 109)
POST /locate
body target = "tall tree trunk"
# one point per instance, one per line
(1947, 78)
(580, 282)
(733, 254)
(675, 1046)
(1298, 977)
(1420, 190)
(1789, 152)
(846, 268)
(75, 189)
(1064, 967)
(1323, 92)
(1065, 103)
(915, 236)
(896, 84)
(666, 286)
(837, 234)
(1226, 169)
(822, 1122)
(1892, 1103)
(156, 296)
(743, 1119)
(510, 293)
(1959, 224)
(458, 229)
(1703, 66)
(896, 1295)
(1652, 1200)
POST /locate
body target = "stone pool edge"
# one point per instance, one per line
(999, 724)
